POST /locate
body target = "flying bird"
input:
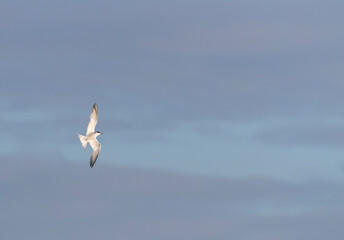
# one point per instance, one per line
(91, 136)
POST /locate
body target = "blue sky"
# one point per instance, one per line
(226, 90)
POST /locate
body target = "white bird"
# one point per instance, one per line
(91, 136)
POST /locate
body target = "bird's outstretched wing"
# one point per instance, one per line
(96, 150)
(93, 119)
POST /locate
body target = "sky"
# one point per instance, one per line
(221, 119)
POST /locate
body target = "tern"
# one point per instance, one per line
(91, 136)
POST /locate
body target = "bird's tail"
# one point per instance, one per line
(83, 141)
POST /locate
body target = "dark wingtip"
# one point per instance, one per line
(92, 164)
(95, 107)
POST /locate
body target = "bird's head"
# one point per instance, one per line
(98, 133)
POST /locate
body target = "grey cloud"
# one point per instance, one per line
(43, 198)
(321, 134)
(204, 64)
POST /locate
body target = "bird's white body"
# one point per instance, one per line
(91, 136)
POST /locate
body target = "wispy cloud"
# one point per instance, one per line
(59, 199)
(207, 80)
(325, 134)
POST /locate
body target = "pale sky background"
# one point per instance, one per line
(221, 119)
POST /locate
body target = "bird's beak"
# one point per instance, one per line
(101, 133)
